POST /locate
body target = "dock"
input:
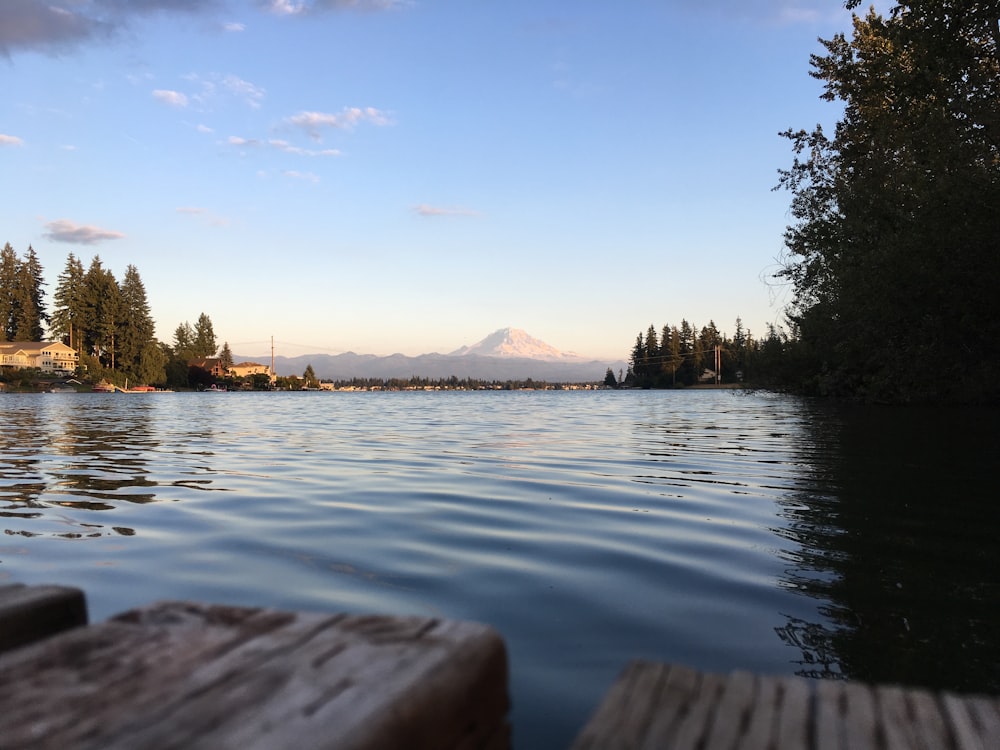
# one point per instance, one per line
(193, 676)
(653, 706)
(186, 675)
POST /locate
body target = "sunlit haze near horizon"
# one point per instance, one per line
(385, 176)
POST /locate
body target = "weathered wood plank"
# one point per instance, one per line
(30, 613)
(732, 712)
(192, 676)
(694, 711)
(795, 719)
(679, 690)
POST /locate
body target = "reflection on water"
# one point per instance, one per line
(707, 528)
(75, 452)
(903, 548)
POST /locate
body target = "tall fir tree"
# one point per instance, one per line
(28, 316)
(8, 285)
(68, 313)
(135, 324)
(204, 342)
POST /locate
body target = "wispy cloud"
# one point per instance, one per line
(62, 25)
(173, 98)
(204, 214)
(204, 128)
(296, 175)
(233, 27)
(306, 7)
(64, 230)
(288, 148)
(313, 123)
(250, 93)
(427, 210)
(10, 140)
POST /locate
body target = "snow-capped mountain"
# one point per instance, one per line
(513, 342)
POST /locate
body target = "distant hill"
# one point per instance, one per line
(507, 354)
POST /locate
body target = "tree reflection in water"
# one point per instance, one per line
(898, 538)
(61, 457)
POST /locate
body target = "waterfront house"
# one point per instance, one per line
(245, 369)
(48, 356)
(211, 365)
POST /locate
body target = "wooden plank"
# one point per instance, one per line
(30, 613)
(194, 676)
(795, 719)
(732, 713)
(968, 729)
(679, 690)
(628, 708)
(762, 726)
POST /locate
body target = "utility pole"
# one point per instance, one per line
(718, 363)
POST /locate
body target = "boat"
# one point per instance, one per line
(104, 387)
(215, 389)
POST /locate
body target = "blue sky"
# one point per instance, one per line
(380, 176)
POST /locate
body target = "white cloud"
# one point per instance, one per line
(235, 140)
(426, 210)
(10, 140)
(173, 98)
(203, 128)
(234, 26)
(64, 230)
(313, 122)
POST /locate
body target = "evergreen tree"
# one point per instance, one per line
(309, 376)
(893, 254)
(29, 316)
(69, 308)
(135, 327)
(8, 285)
(184, 342)
(609, 379)
(102, 307)
(226, 357)
(204, 343)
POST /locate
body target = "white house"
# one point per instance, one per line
(48, 356)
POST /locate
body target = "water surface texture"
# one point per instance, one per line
(709, 528)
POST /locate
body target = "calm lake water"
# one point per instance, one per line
(709, 528)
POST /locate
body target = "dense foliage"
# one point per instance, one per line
(894, 251)
(108, 322)
(683, 355)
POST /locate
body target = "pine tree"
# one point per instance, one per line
(135, 325)
(226, 357)
(69, 311)
(29, 316)
(204, 343)
(8, 285)
(184, 342)
(102, 310)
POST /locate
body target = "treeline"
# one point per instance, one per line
(683, 355)
(106, 320)
(895, 250)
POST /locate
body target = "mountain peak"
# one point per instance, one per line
(511, 343)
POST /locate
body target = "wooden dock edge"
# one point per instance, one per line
(654, 705)
(200, 676)
(31, 613)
